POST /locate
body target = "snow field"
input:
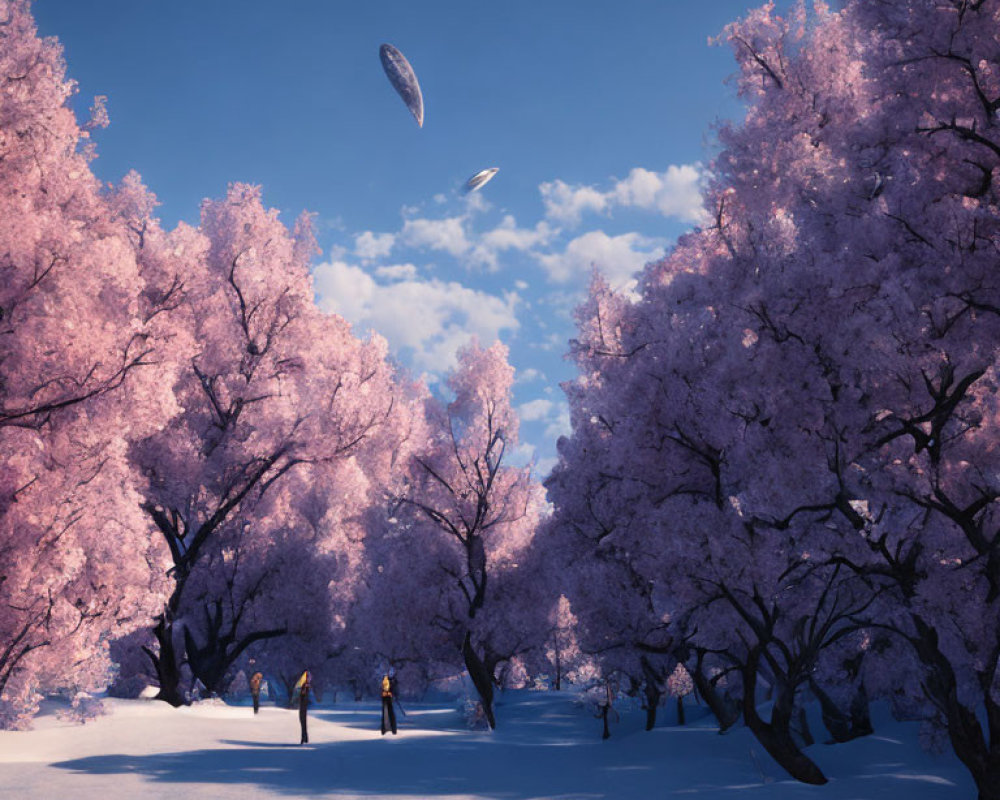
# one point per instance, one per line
(545, 748)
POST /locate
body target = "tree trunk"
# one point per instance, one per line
(680, 709)
(800, 729)
(722, 706)
(211, 662)
(775, 736)
(652, 700)
(289, 684)
(844, 726)
(651, 688)
(168, 671)
(861, 719)
(979, 751)
(980, 757)
(481, 679)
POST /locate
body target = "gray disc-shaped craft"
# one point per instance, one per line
(480, 178)
(403, 80)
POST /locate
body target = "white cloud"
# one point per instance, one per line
(528, 375)
(446, 234)
(453, 235)
(397, 272)
(335, 252)
(522, 285)
(369, 245)
(476, 202)
(522, 455)
(617, 257)
(544, 466)
(567, 203)
(432, 318)
(552, 342)
(559, 424)
(507, 236)
(535, 410)
(673, 193)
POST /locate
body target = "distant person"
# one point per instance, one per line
(389, 690)
(255, 680)
(304, 686)
(604, 709)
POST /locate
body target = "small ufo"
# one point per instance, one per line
(481, 178)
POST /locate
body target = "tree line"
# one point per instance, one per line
(782, 476)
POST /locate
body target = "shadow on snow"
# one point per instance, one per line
(548, 749)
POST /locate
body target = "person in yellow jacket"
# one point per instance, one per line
(389, 690)
(305, 686)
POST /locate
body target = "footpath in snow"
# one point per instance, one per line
(546, 747)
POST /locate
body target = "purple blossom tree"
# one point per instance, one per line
(485, 511)
(803, 461)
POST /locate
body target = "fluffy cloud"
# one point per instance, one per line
(446, 234)
(559, 422)
(617, 257)
(369, 245)
(430, 318)
(529, 374)
(673, 193)
(396, 272)
(455, 236)
(566, 203)
(544, 466)
(507, 236)
(535, 410)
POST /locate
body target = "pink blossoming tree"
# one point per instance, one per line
(79, 333)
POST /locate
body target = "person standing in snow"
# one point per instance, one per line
(255, 680)
(305, 687)
(388, 695)
(604, 709)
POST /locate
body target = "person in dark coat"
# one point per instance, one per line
(255, 680)
(388, 695)
(304, 704)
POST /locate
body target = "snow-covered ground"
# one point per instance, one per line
(545, 747)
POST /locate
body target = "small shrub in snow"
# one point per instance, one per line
(239, 686)
(473, 714)
(84, 708)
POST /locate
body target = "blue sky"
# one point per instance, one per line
(598, 115)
